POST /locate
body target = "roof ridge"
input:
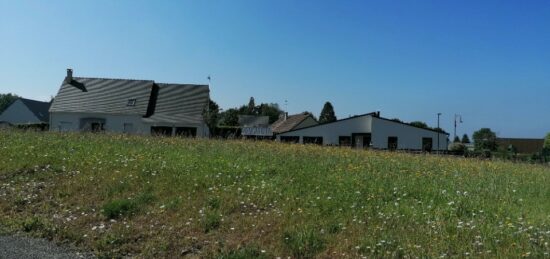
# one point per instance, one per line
(182, 84)
(106, 78)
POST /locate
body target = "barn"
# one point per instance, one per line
(369, 131)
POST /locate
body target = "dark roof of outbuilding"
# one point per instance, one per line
(40, 109)
(102, 95)
(282, 125)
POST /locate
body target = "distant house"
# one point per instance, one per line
(368, 131)
(253, 126)
(129, 106)
(26, 112)
(292, 122)
(522, 145)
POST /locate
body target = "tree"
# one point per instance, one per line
(465, 139)
(419, 124)
(230, 117)
(547, 141)
(251, 108)
(456, 140)
(546, 147)
(327, 114)
(211, 115)
(6, 100)
(396, 120)
(485, 139)
(269, 109)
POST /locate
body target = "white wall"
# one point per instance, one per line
(332, 131)
(18, 113)
(113, 123)
(408, 137)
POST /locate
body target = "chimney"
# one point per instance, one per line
(378, 114)
(286, 115)
(69, 77)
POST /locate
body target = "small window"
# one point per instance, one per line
(131, 102)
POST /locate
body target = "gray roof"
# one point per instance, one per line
(283, 125)
(101, 95)
(40, 109)
(180, 103)
(156, 102)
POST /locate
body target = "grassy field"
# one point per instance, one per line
(170, 197)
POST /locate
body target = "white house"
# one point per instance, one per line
(129, 106)
(368, 130)
(26, 112)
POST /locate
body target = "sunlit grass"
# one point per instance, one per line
(169, 197)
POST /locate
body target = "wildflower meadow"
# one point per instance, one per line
(145, 197)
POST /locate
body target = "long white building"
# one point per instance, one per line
(369, 131)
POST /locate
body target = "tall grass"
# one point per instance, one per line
(169, 197)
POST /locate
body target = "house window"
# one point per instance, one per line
(344, 141)
(427, 144)
(290, 139)
(313, 140)
(392, 143)
(131, 102)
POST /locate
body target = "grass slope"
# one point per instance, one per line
(169, 197)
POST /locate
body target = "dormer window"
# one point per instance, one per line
(131, 102)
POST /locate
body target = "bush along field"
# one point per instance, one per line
(149, 197)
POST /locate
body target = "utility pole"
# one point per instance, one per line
(438, 129)
(457, 116)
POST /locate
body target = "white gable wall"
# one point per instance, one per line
(332, 131)
(18, 113)
(408, 137)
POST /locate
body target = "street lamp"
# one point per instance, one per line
(459, 117)
(438, 129)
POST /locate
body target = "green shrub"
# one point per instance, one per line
(212, 221)
(116, 208)
(32, 224)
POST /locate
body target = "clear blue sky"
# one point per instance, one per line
(486, 60)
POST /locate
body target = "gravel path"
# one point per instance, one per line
(31, 248)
